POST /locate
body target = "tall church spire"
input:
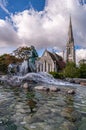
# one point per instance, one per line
(70, 32)
(70, 49)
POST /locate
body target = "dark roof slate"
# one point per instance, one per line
(58, 59)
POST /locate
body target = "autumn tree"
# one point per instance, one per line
(5, 60)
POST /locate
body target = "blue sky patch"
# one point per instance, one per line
(14, 6)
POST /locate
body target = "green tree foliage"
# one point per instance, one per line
(82, 70)
(58, 75)
(71, 70)
(54, 74)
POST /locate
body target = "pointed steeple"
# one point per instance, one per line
(70, 48)
(70, 32)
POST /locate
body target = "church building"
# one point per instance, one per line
(50, 62)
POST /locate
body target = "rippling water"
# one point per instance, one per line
(50, 111)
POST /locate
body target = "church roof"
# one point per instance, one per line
(58, 59)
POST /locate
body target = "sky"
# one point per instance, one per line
(42, 23)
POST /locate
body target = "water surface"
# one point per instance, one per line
(51, 111)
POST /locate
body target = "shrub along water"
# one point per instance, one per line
(71, 71)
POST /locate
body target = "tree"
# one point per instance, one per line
(71, 70)
(82, 70)
(5, 60)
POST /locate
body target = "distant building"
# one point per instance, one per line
(70, 48)
(50, 62)
(83, 61)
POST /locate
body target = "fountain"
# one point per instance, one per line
(12, 68)
(28, 64)
(61, 106)
(26, 71)
(24, 67)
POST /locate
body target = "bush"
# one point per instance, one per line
(3, 68)
(61, 75)
(82, 70)
(71, 71)
(57, 75)
(54, 74)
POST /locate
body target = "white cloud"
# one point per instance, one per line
(39, 29)
(47, 28)
(80, 54)
(8, 36)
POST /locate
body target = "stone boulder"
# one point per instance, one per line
(54, 89)
(50, 89)
(41, 88)
(83, 83)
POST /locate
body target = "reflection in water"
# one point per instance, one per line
(32, 104)
(69, 100)
(31, 100)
